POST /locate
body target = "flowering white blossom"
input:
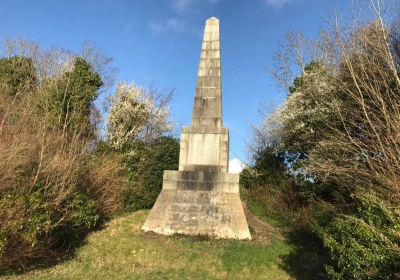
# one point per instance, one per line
(309, 106)
(298, 122)
(137, 114)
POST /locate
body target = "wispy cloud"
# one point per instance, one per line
(180, 22)
(172, 24)
(277, 3)
(182, 5)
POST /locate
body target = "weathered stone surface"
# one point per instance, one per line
(203, 150)
(201, 197)
(207, 109)
(201, 181)
(218, 214)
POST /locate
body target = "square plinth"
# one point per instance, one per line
(199, 203)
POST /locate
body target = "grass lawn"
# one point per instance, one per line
(122, 251)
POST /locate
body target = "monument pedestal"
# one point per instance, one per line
(199, 203)
(202, 198)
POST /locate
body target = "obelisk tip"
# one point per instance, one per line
(213, 19)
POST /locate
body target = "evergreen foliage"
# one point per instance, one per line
(146, 164)
(17, 75)
(363, 244)
(71, 96)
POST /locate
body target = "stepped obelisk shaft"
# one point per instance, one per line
(202, 197)
(208, 101)
(205, 145)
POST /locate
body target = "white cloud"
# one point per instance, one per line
(180, 22)
(172, 24)
(277, 3)
(236, 166)
(182, 5)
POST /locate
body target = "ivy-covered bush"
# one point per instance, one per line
(146, 164)
(365, 244)
(17, 75)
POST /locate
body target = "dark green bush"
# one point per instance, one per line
(71, 97)
(36, 226)
(248, 178)
(3, 243)
(364, 244)
(17, 74)
(146, 164)
(41, 217)
(269, 191)
(84, 212)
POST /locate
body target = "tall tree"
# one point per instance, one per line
(72, 95)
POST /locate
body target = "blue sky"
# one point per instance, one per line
(160, 40)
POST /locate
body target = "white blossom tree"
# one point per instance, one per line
(138, 114)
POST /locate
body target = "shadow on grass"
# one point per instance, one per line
(308, 258)
(61, 251)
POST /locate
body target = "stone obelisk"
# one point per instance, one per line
(202, 198)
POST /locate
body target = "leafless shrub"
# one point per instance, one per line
(360, 97)
(366, 144)
(108, 182)
(36, 156)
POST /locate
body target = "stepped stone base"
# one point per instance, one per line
(199, 203)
